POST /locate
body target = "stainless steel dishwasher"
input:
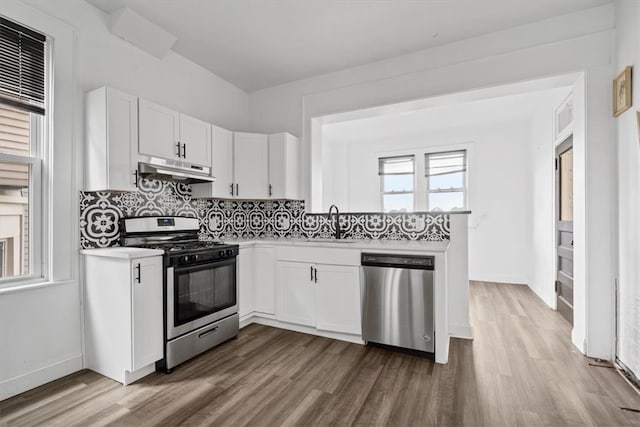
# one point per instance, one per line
(397, 301)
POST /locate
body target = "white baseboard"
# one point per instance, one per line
(268, 320)
(460, 330)
(505, 279)
(33, 379)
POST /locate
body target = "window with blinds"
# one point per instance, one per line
(446, 174)
(23, 79)
(22, 61)
(397, 183)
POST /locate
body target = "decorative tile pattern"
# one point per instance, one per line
(100, 213)
(388, 226)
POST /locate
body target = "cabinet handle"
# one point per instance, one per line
(315, 275)
(138, 277)
(270, 190)
(135, 176)
(178, 145)
(231, 189)
(311, 273)
(237, 190)
(184, 150)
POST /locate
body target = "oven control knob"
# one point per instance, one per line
(194, 258)
(229, 252)
(184, 259)
(221, 253)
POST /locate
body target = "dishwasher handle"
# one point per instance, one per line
(415, 262)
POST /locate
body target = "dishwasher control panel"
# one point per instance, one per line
(398, 261)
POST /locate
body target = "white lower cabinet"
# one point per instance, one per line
(323, 296)
(264, 280)
(337, 299)
(296, 293)
(123, 315)
(245, 281)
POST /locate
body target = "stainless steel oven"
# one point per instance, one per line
(198, 294)
(200, 285)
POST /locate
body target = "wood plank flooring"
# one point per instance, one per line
(520, 369)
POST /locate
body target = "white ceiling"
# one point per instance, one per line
(262, 43)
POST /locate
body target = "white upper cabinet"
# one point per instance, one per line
(250, 160)
(171, 135)
(221, 166)
(159, 131)
(283, 166)
(112, 140)
(195, 138)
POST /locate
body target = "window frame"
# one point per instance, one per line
(465, 186)
(383, 175)
(40, 134)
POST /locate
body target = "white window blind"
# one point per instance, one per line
(446, 180)
(397, 183)
(22, 67)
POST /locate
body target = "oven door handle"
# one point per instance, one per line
(209, 332)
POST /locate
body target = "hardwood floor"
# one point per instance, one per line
(520, 369)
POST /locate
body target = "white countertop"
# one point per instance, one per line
(124, 253)
(360, 244)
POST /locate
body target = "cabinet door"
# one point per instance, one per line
(122, 143)
(250, 159)
(295, 291)
(195, 137)
(264, 280)
(222, 162)
(146, 311)
(159, 130)
(283, 166)
(337, 296)
(245, 281)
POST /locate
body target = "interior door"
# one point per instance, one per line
(564, 228)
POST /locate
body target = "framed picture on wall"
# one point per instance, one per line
(622, 92)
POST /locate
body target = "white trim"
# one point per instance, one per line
(459, 330)
(38, 377)
(33, 284)
(250, 318)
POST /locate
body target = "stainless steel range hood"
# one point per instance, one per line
(173, 170)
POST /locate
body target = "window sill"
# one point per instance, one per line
(29, 284)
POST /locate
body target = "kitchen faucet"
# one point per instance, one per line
(337, 215)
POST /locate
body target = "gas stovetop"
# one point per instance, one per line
(173, 247)
(176, 236)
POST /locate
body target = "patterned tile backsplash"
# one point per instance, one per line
(100, 213)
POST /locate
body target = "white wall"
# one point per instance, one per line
(40, 326)
(103, 59)
(499, 188)
(580, 42)
(628, 53)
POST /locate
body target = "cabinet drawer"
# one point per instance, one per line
(335, 256)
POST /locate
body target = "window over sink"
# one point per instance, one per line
(397, 183)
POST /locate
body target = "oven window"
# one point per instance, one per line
(202, 291)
